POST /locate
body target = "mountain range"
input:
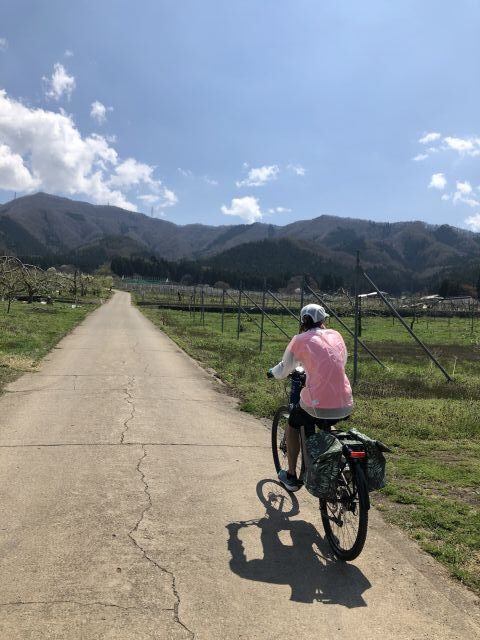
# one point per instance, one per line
(43, 224)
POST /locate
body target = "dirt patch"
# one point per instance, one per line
(16, 362)
(406, 352)
(468, 495)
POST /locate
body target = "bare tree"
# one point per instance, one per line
(11, 283)
(36, 281)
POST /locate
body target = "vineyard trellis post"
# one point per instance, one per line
(223, 309)
(355, 339)
(263, 313)
(302, 299)
(238, 313)
(359, 316)
(241, 308)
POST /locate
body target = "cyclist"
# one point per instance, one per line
(327, 395)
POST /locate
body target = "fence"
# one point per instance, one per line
(263, 308)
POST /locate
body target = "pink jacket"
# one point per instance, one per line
(323, 354)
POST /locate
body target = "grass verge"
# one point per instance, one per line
(434, 474)
(29, 331)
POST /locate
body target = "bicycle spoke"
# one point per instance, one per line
(345, 519)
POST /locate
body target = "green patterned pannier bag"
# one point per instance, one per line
(375, 458)
(321, 475)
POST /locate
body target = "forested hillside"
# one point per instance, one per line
(404, 256)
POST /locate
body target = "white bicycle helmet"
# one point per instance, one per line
(315, 311)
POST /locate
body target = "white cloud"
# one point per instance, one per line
(149, 198)
(130, 173)
(462, 194)
(68, 53)
(467, 148)
(471, 202)
(44, 150)
(473, 222)
(420, 157)
(438, 181)
(168, 198)
(259, 176)
(297, 169)
(246, 208)
(99, 111)
(464, 146)
(187, 173)
(430, 137)
(210, 181)
(464, 187)
(163, 199)
(14, 175)
(279, 210)
(3, 44)
(60, 83)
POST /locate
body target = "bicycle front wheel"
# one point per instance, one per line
(279, 441)
(345, 519)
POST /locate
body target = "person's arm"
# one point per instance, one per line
(287, 364)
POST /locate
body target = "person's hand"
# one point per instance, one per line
(269, 373)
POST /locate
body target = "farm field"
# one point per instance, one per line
(433, 425)
(29, 331)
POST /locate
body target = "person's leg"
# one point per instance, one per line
(293, 449)
(298, 418)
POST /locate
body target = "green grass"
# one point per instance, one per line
(29, 331)
(433, 425)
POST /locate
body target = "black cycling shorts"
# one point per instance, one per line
(300, 418)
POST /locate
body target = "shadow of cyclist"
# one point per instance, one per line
(307, 565)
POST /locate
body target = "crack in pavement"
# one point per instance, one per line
(129, 399)
(85, 393)
(131, 535)
(20, 603)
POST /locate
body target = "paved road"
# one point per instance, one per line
(134, 505)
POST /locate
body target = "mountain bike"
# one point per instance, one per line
(344, 516)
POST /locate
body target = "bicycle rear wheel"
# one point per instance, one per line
(279, 442)
(345, 519)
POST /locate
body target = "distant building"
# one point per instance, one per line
(457, 302)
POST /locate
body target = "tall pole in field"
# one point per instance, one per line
(301, 303)
(263, 313)
(355, 338)
(223, 309)
(239, 306)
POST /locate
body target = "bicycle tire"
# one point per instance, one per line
(345, 520)
(279, 446)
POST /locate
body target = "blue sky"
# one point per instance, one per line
(229, 111)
